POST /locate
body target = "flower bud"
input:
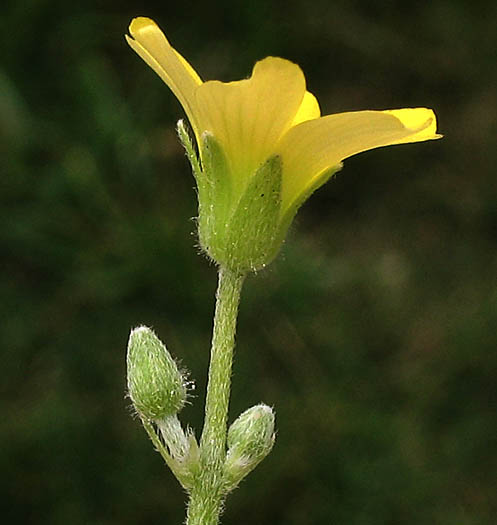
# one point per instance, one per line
(250, 439)
(156, 386)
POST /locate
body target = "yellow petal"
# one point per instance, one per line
(248, 117)
(411, 118)
(309, 109)
(314, 146)
(152, 46)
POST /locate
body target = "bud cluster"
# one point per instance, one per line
(158, 390)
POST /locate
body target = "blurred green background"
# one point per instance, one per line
(373, 335)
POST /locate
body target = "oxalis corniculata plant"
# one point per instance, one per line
(260, 149)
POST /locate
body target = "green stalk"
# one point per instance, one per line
(208, 491)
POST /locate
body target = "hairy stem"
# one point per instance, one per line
(207, 493)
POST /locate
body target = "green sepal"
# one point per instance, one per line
(215, 199)
(239, 225)
(155, 384)
(253, 227)
(191, 153)
(250, 439)
(239, 233)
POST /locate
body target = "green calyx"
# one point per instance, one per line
(250, 439)
(238, 229)
(241, 223)
(155, 384)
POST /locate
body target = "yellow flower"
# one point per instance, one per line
(269, 125)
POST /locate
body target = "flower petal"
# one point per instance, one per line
(153, 47)
(308, 110)
(312, 147)
(248, 117)
(411, 119)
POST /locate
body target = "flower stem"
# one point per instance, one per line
(207, 493)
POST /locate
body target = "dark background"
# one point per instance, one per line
(373, 335)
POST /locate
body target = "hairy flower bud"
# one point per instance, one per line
(156, 386)
(250, 439)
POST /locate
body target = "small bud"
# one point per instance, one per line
(250, 439)
(156, 386)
